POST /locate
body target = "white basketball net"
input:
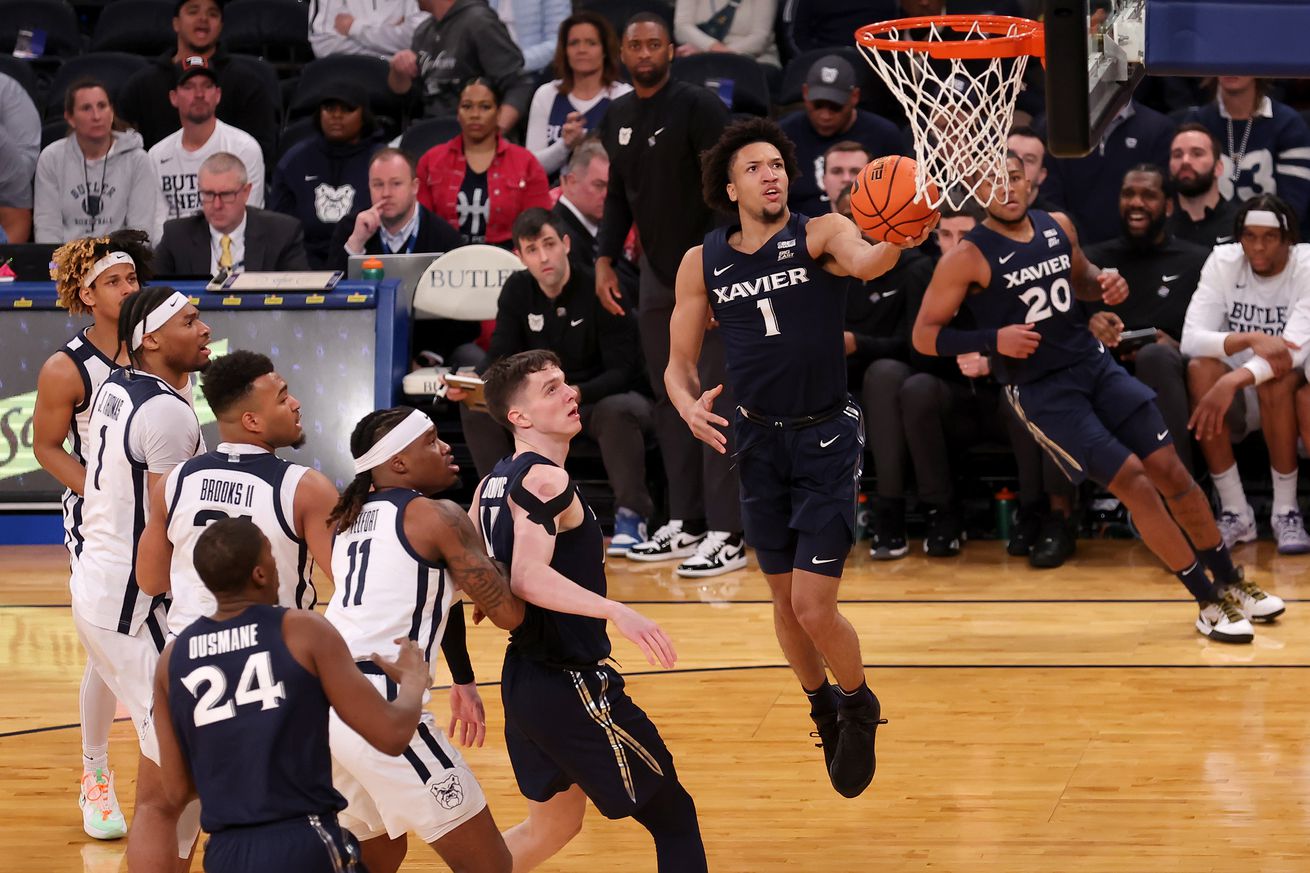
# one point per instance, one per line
(960, 113)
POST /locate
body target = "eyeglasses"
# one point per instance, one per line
(221, 196)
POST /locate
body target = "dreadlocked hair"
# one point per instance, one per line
(73, 260)
(370, 429)
(136, 306)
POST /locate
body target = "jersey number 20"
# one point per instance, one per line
(256, 685)
(1061, 297)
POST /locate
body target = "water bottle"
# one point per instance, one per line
(1004, 512)
(373, 270)
(863, 519)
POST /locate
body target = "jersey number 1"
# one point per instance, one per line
(770, 320)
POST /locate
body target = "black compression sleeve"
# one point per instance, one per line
(454, 646)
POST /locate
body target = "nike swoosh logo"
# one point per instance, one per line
(891, 292)
(823, 444)
(824, 561)
(310, 178)
(1006, 258)
(724, 270)
(1169, 278)
(1162, 434)
(657, 133)
(1223, 239)
(575, 323)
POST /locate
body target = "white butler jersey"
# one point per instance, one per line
(139, 425)
(234, 481)
(384, 589)
(94, 368)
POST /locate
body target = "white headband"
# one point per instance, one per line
(395, 442)
(156, 317)
(113, 259)
(1264, 218)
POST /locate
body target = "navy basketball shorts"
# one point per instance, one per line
(567, 727)
(799, 488)
(1090, 417)
(311, 844)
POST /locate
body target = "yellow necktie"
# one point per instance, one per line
(225, 259)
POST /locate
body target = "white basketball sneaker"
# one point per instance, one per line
(668, 541)
(1237, 527)
(715, 555)
(101, 817)
(1254, 602)
(1223, 622)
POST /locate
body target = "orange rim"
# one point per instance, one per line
(1026, 39)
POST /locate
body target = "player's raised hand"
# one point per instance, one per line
(700, 417)
(1017, 340)
(468, 717)
(408, 664)
(1114, 287)
(647, 636)
(1274, 349)
(1106, 327)
(923, 234)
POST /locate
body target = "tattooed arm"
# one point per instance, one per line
(441, 531)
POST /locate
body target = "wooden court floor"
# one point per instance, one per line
(1066, 720)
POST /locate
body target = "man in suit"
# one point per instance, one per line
(583, 184)
(395, 222)
(227, 234)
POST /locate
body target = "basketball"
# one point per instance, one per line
(882, 200)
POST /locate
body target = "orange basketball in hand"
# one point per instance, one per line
(882, 200)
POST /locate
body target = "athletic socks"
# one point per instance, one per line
(1284, 492)
(861, 696)
(1219, 562)
(823, 700)
(95, 758)
(1232, 497)
(1198, 584)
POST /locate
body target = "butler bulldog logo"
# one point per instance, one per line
(333, 204)
(448, 792)
(536, 322)
(625, 135)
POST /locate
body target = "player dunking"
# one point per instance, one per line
(1019, 273)
(570, 728)
(241, 715)
(92, 276)
(771, 282)
(257, 415)
(400, 559)
(142, 425)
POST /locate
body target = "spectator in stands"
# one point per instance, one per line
(654, 138)
(1028, 144)
(319, 178)
(552, 305)
(247, 105)
(808, 25)
(96, 179)
(394, 222)
(842, 162)
(378, 28)
(744, 27)
(462, 40)
(228, 234)
(830, 116)
(1162, 272)
(532, 24)
(581, 205)
(178, 156)
(1202, 215)
(479, 181)
(1234, 335)
(1087, 188)
(1267, 143)
(567, 109)
(20, 145)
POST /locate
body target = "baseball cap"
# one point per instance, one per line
(196, 66)
(831, 78)
(343, 91)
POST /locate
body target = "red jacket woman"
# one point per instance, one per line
(479, 182)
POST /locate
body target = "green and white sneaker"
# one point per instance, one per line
(101, 817)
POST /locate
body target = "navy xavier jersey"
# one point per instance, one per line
(781, 316)
(251, 722)
(547, 636)
(1032, 283)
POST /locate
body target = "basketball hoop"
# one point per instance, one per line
(958, 92)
